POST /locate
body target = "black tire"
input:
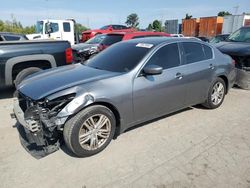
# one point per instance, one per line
(73, 126)
(209, 103)
(24, 73)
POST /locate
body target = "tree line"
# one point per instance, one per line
(15, 26)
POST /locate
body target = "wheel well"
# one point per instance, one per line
(42, 64)
(116, 113)
(225, 80)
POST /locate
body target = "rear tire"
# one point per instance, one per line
(216, 94)
(24, 73)
(90, 131)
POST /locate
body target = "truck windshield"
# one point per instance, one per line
(39, 27)
(241, 35)
(121, 57)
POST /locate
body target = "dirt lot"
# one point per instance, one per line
(193, 148)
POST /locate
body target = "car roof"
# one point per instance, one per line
(138, 33)
(160, 40)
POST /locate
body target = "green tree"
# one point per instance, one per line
(150, 27)
(224, 13)
(80, 28)
(15, 26)
(187, 17)
(157, 25)
(132, 20)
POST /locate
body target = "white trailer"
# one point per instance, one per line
(55, 29)
(234, 22)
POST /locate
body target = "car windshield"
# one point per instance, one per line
(39, 27)
(215, 40)
(121, 57)
(96, 40)
(241, 35)
(104, 27)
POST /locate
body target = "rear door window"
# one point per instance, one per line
(111, 39)
(66, 26)
(193, 52)
(166, 57)
(208, 52)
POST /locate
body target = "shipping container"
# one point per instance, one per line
(210, 26)
(190, 27)
(171, 26)
(234, 22)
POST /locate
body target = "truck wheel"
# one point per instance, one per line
(24, 73)
(216, 94)
(89, 131)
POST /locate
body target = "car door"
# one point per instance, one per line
(155, 95)
(199, 70)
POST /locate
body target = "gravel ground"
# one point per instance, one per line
(193, 148)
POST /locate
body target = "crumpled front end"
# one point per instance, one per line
(39, 127)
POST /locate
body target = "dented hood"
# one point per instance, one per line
(44, 83)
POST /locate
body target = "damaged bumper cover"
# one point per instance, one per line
(32, 136)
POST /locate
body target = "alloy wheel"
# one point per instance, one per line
(94, 132)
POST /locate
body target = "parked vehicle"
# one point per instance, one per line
(84, 51)
(219, 38)
(22, 58)
(171, 26)
(190, 27)
(234, 22)
(238, 47)
(176, 35)
(210, 26)
(129, 83)
(86, 35)
(56, 30)
(205, 39)
(111, 39)
(7, 36)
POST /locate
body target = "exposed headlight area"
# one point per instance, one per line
(40, 123)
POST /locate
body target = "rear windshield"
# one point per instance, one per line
(121, 57)
(112, 39)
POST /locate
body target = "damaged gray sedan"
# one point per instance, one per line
(86, 106)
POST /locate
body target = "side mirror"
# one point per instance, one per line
(48, 28)
(152, 70)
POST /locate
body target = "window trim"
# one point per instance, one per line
(147, 58)
(183, 62)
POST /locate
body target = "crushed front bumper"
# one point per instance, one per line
(32, 138)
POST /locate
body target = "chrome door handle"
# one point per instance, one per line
(211, 66)
(178, 76)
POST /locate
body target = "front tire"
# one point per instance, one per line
(90, 131)
(216, 94)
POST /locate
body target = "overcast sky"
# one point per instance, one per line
(96, 13)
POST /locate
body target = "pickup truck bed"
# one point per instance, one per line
(16, 56)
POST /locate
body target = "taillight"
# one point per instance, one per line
(68, 55)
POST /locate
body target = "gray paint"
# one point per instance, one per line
(15, 60)
(137, 98)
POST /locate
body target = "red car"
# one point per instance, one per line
(84, 51)
(86, 35)
(115, 37)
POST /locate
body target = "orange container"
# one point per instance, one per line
(210, 26)
(190, 27)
